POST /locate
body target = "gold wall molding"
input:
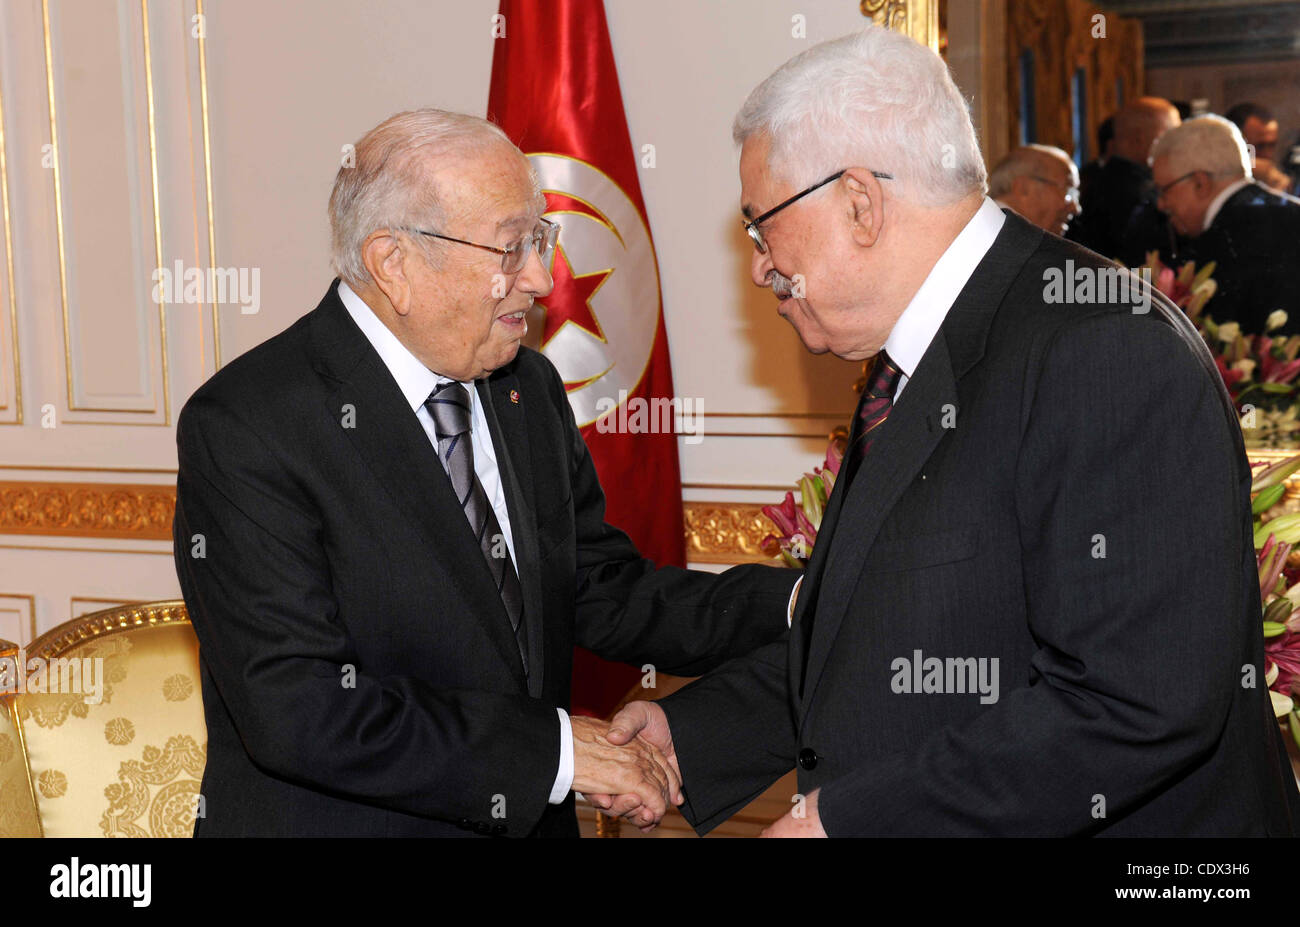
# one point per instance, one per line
(99, 510)
(60, 227)
(715, 532)
(9, 276)
(21, 604)
(726, 532)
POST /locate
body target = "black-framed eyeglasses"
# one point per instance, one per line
(1161, 191)
(751, 225)
(514, 255)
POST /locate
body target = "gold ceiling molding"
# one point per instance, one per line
(100, 510)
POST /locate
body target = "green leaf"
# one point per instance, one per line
(1275, 473)
(1267, 499)
(1278, 611)
(1286, 528)
(1273, 629)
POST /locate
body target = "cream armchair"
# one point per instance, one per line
(122, 753)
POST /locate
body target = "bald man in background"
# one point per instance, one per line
(1120, 219)
(1040, 183)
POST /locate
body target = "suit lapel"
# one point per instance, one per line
(504, 410)
(906, 441)
(389, 437)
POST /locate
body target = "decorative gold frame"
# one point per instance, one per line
(916, 18)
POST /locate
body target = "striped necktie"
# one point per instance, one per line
(873, 408)
(448, 405)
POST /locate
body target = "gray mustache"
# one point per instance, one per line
(781, 285)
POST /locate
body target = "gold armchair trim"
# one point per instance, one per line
(59, 640)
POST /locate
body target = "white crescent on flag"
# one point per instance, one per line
(625, 305)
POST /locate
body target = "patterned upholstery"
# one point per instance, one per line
(123, 754)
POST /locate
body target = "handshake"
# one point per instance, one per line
(627, 767)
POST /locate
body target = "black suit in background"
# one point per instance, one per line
(1120, 675)
(1254, 241)
(333, 545)
(1118, 217)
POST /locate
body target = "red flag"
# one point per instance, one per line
(555, 93)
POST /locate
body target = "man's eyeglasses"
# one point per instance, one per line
(1161, 191)
(1071, 193)
(755, 233)
(515, 255)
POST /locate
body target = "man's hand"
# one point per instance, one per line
(608, 762)
(643, 721)
(799, 822)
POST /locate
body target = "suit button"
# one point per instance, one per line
(808, 758)
(482, 827)
(498, 830)
(463, 823)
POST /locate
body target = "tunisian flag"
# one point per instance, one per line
(555, 93)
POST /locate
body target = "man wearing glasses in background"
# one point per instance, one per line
(1252, 233)
(1040, 183)
(390, 535)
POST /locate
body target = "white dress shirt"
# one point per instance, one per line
(416, 382)
(1217, 203)
(920, 321)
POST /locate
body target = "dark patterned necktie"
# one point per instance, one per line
(449, 407)
(873, 408)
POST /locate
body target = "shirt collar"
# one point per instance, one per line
(916, 327)
(1217, 203)
(415, 380)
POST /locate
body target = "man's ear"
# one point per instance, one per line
(383, 255)
(867, 205)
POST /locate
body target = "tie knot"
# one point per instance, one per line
(883, 379)
(448, 406)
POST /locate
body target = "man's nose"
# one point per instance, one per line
(534, 278)
(760, 267)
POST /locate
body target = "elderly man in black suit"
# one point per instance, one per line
(1203, 174)
(1013, 621)
(390, 535)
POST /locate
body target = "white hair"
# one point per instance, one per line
(1206, 143)
(874, 99)
(1022, 162)
(388, 184)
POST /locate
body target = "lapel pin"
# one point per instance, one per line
(514, 396)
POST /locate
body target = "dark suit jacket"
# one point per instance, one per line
(1118, 217)
(359, 673)
(1255, 244)
(1062, 489)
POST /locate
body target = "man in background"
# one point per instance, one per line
(1251, 233)
(1119, 217)
(1259, 128)
(1039, 182)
